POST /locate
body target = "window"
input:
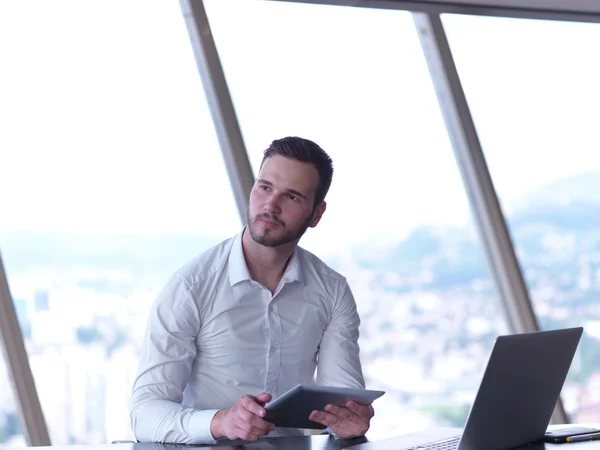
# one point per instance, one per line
(112, 179)
(397, 224)
(11, 434)
(533, 90)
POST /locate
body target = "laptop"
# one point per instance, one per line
(517, 395)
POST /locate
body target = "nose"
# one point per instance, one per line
(272, 205)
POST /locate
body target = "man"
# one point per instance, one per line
(255, 314)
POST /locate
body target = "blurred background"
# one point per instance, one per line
(112, 177)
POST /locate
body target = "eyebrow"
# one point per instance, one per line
(291, 191)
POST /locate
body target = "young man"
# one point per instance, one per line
(255, 314)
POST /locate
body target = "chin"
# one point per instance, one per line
(270, 240)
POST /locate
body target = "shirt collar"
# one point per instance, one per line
(293, 272)
(238, 270)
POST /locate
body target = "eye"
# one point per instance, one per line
(292, 197)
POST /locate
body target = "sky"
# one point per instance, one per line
(105, 126)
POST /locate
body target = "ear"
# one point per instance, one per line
(319, 210)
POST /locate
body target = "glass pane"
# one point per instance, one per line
(534, 93)
(112, 179)
(11, 434)
(397, 224)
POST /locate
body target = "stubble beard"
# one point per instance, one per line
(273, 238)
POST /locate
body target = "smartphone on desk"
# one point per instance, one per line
(563, 435)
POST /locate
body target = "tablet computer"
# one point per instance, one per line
(293, 408)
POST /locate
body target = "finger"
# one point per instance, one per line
(341, 413)
(258, 430)
(246, 435)
(250, 404)
(360, 410)
(243, 415)
(252, 420)
(263, 398)
(324, 418)
(261, 424)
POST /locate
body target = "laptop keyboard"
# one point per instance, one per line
(446, 444)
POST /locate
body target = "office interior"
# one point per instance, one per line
(464, 203)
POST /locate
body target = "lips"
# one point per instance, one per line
(269, 222)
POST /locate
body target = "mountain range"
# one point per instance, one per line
(569, 207)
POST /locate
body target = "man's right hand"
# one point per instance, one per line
(244, 420)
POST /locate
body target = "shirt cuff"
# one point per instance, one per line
(199, 426)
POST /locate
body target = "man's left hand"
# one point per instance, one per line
(349, 422)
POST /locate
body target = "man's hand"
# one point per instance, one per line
(352, 421)
(244, 420)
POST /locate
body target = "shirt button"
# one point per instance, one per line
(272, 351)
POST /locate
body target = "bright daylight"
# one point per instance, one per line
(112, 178)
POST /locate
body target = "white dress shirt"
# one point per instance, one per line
(215, 335)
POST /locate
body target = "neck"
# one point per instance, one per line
(266, 264)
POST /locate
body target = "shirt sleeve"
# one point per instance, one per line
(168, 352)
(339, 361)
(338, 358)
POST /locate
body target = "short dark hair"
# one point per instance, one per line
(307, 151)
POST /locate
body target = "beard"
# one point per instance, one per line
(275, 238)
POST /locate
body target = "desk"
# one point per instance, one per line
(320, 442)
(434, 434)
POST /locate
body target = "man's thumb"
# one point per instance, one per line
(263, 397)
